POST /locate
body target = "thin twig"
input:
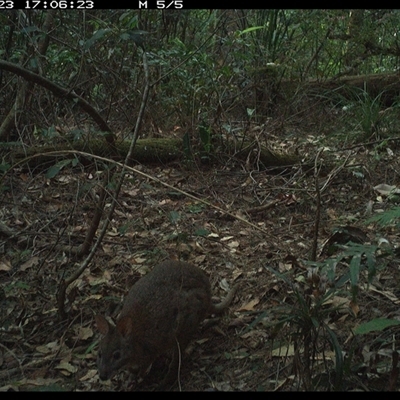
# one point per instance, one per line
(318, 212)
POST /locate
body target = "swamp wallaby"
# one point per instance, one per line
(161, 313)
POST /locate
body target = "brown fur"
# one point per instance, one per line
(161, 313)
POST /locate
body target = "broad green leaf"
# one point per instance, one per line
(201, 232)
(251, 29)
(96, 37)
(55, 169)
(355, 269)
(52, 171)
(377, 324)
(174, 217)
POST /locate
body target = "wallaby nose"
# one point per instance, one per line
(103, 377)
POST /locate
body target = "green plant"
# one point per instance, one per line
(365, 113)
(364, 116)
(309, 332)
(386, 218)
(313, 304)
(205, 141)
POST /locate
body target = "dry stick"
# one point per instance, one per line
(264, 207)
(66, 282)
(335, 172)
(318, 191)
(179, 364)
(318, 213)
(84, 248)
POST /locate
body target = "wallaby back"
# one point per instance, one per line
(160, 314)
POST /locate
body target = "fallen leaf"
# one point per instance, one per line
(5, 265)
(48, 348)
(354, 306)
(283, 351)
(66, 368)
(224, 239)
(342, 303)
(89, 375)
(84, 333)
(249, 306)
(213, 235)
(385, 189)
(30, 263)
(199, 259)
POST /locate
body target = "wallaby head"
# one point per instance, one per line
(116, 348)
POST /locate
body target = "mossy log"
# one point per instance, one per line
(146, 151)
(154, 150)
(265, 157)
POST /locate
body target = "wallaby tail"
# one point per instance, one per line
(220, 307)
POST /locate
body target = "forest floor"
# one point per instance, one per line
(251, 347)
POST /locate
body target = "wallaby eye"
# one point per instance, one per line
(116, 355)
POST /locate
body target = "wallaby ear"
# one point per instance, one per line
(124, 325)
(102, 324)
